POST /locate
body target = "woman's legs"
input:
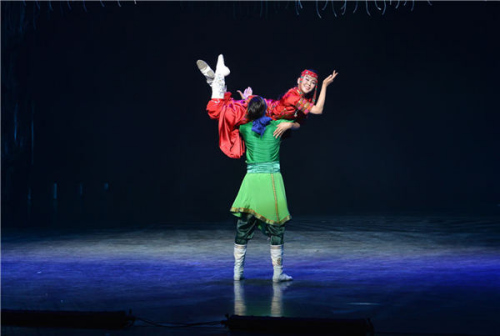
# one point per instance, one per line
(219, 83)
(206, 70)
(215, 79)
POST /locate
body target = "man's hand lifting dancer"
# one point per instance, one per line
(285, 126)
(282, 127)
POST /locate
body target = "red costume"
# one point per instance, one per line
(231, 114)
(292, 106)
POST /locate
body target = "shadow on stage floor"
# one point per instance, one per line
(407, 274)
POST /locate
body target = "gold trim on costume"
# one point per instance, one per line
(275, 198)
(260, 217)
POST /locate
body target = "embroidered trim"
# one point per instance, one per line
(260, 217)
(303, 105)
(275, 198)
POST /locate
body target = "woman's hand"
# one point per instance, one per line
(247, 93)
(329, 80)
(318, 108)
(282, 128)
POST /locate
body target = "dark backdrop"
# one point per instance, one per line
(410, 124)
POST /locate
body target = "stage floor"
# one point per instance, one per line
(408, 274)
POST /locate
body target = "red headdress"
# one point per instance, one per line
(314, 75)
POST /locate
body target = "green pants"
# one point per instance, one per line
(246, 225)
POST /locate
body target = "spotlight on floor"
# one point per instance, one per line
(296, 325)
(67, 319)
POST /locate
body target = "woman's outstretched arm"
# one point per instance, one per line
(318, 108)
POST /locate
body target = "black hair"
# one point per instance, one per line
(256, 108)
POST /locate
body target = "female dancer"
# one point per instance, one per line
(296, 104)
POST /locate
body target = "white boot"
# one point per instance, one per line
(277, 259)
(221, 68)
(239, 261)
(219, 83)
(206, 70)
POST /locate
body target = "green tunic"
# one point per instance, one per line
(262, 192)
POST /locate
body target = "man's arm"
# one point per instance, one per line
(285, 126)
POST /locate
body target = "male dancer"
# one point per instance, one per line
(261, 200)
